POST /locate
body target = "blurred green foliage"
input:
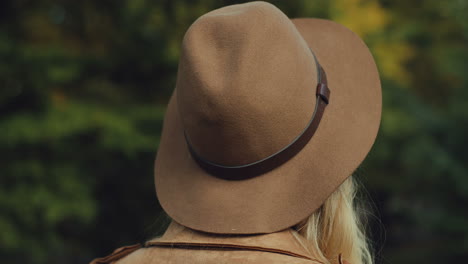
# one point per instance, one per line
(83, 87)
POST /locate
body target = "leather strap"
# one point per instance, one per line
(117, 254)
(267, 164)
(215, 246)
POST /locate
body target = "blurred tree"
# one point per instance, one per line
(83, 89)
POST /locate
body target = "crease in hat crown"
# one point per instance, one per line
(246, 83)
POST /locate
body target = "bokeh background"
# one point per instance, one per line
(83, 88)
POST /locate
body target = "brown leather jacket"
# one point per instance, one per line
(182, 245)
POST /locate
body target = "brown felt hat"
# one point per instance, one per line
(269, 116)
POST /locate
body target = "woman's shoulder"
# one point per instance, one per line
(170, 255)
(182, 245)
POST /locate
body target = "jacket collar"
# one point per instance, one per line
(283, 242)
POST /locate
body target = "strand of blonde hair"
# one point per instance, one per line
(337, 227)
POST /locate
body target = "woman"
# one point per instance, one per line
(269, 118)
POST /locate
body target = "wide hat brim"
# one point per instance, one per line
(288, 194)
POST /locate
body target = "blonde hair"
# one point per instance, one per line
(337, 228)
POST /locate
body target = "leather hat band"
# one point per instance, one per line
(273, 161)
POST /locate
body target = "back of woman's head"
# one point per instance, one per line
(337, 227)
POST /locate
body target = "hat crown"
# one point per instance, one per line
(246, 84)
